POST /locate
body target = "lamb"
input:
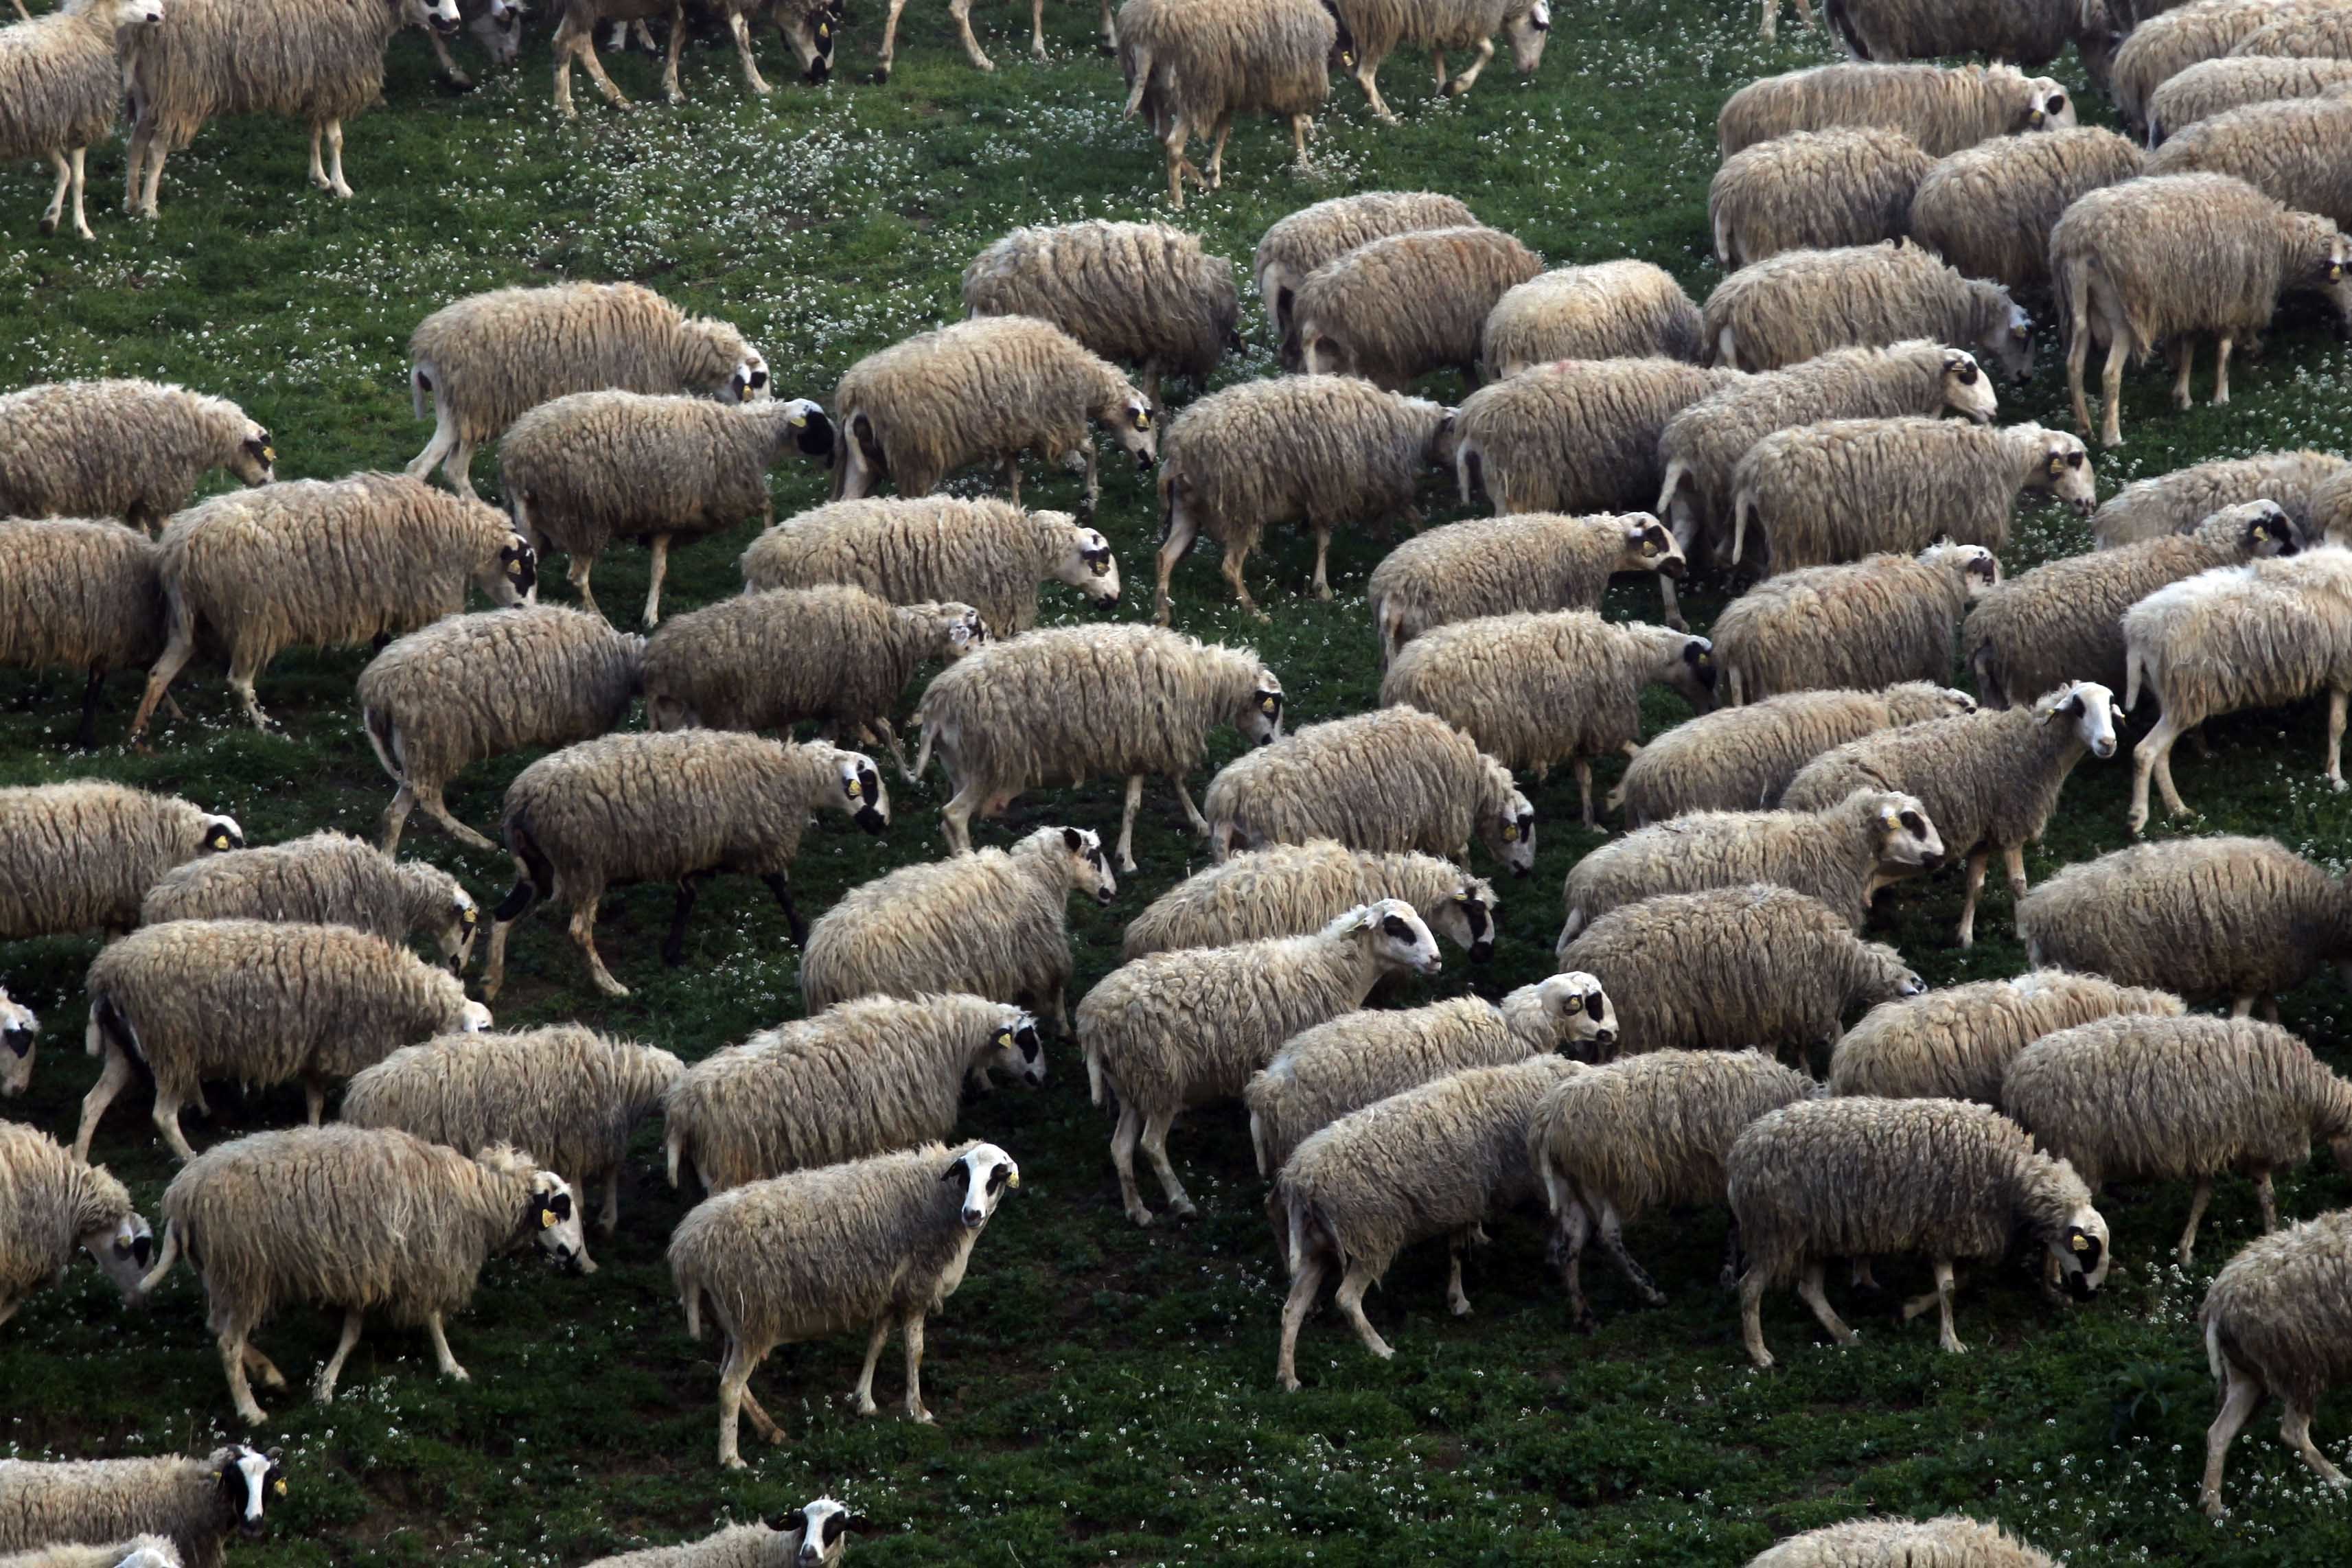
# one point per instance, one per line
(323, 563)
(192, 1502)
(1642, 1133)
(52, 1204)
(873, 1242)
(1127, 701)
(1778, 969)
(1295, 890)
(857, 1079)
(2274, 1322)
(1294, 246)
(1396, 309)
(485, 361)
(1197, 64)
(2029, 35)
(1328, 451)
(1837, 491)
(2135, 1099)
(677, 807)
(1535, 690)
(83, 594)
(1991, 781)
(1615, 309)
(470, 688)
(325, 879)
(1378, 26)
(1989, 209)
(1395, 778)
(132, 449)
(1881, 619)
(1855, 1177)
(568, 1094)
(913, 550)
(592, 467)
(1531, 562)
(1800, 304)
(404, 1230)
(2027, 634)
(2163, 46)
(18, 1029)
(2210, 88)
(1953, 1541)
(984, 390)
(80, 856)
(1942, 110)
(816, 1536)
(1434, 1160)
(1956, 1043)
(60, 79)
(137, 1551)
(1849, 184)
(2158, 260)
(2179, 502)
(258, 1001)
(1177, 1030)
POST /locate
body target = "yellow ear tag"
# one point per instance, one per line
(853, 789)
(547, 1219)
(1267, 704)
(1510, 832)
(1576, 1005)
(824, 30)
(1004, 1039)
(800, 421)
(2261, 533)
(279, 1489)
(1014, 1180)
(1143, 419)
(2081, 1244)
(469, 916)
(269, 455)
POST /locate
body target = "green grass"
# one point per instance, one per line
(1104, 1394)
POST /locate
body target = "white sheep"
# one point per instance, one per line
(195, 1503)
(52, 1204)
(61, 80)
(1881, 619)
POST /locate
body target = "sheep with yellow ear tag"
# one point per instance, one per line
(122, 841)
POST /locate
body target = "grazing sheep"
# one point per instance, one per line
(2210, 88)
(1396, 309)
(1852, 1177)
(2283, 149)
(816, 1536)
(1295, 890)
(1294, 246)
(1328, 451)
(1617, 309)
(60, 87)
(1956, 1043)
(132, 449)
(2324, 29)
(137, 1551)
(52, 1204)
(1378, 26)
(365, 1219)
(1811, 190)
(19, 1027)
(1989, 209)
(2179, 502)
(677, 807)
(1174, 1031)
(82, 594)
(1530, 562)
(2163, 46)
(319, 564)
(1800, 304)
(1952, 1540)
(325, 879)
(1881, 619)
(2275, 1322)
(1125, 700)
(1197, 64)
(2027, 32)
(1942, 110)
(80, 856)
(815, 1253)
(192, 1502)
(475, 686)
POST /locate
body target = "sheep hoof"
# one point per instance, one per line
(922, 1417)
(1037, 53)
(461, 81)
(458, 1375)
(1587, 1322)
(48, 226)
(1675, 623)
(865, 1405)
(1460, 1309)
(320, 1394)
(882, 76)
(1142, 1217)
(1455, 88)
(733, 1462)
(1184, 1208)
(1287, 1384)
(2338, 785)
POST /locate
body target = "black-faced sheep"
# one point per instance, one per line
(1800, 304)
(132, 449)
(1942, 110)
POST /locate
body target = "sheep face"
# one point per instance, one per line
(2267, 532)
(551, 1220)
(513, 577)
(1014, 1049)
(254, 460)
(812, 38)
(1261, 722)
(1966, 389)
(1886, 976)
(1446, 446)
(2090, 708)
(2048, 107)
(823, 1529)
(2335, 259)
(1510, 834)
(2065, 472)
(1649, 547)
(1979, 571)
(1088, 564)
(750, 383)
(960, 630)
(440, 15)
(1587, 1020)
(1130, 424)
(499, 32)
(1528, 32)
(457, 936)
(1466, 919)
(17, 1027)
(123, 1252)
(135, 16)
(1089, 873)
(1690, 670)
(861, 792)
(473, 1018)
(249, 1482)
(220, 834)
(984, 1175)
(2079, 1252)
(2011, 344)
(812, 431)
(1398, 938)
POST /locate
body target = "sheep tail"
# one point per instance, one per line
(1993, 684)
(2135, 661)
(386, 740)
(689, 1295)
(1743, 505)
(1098, 1089)
(420, 387)
(1469, 473)
(1723, 239)
(923, 749)
(164, 1259)
(1258, 1143)
(1142, 81)
(674, 1149)
(1676, 472)
(108, 1022)
(1834, 14)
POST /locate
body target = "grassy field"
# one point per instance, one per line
(1105, 1396)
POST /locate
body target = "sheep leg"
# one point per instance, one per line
(2154, 749)
(2242, 1393)
(2111, 389)
(1127, 822)
(1976, 858)
(1322, 560)
(2265, 1195)
(2013, 860)
(314, 1099)
(256, 1362)
(1192, 817)
(583, 50)
(734, 1373)
(1179, 133)
(674, 945)
(670, 88)
(2244, 1007)
(577, 575)
(1182, 532)
(862, 1396)
(57, 197)
(1567, 1255)
(1155, 1149)
(1037, 30)
(2295, 1426)
(335, 181)
(142, 133)
(2188, 347)
(1456, 1301)
(323, 1390)
(761, 1422)
(609, 1219)
(1584, 787)
(1110, 30)
(2197, 1202)
(955, 822)
(1437, 64)
(113, 1080)
(438, 810)
(961, 11)
(654, 582)
(1123, 1139)
(2270, 1007)
(512, 908)
(1751, 1316)
(2338, 701)
(395, 816)
(1945, 1337)
(1094, 483)
(448, 1363)
(1231, 567)
(166, 1116)
(1301, 127)
(2223, 346)
(778, 885)
(242, 669)
(910, 1330)
(1367, 71)
(1217, 154)
(1730, 1275)
(86, 737)
(1351, 1298)
(1463, 83)
(1809, 1289)
(232, 1354)
(889, 43)
(582, 928)
(447, 62)
(1612, 1242)
(740, 27)
(888, 736)
(1674, 609)
(168, 664)
(1304, 1287)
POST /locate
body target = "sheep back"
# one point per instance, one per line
(1614, 309)
(81, 594)
(1578, 436)
(1394, 309)
(1814, 189)
(2177, 502)
(80, 856)
(1144, 293)
(1989, 208)
(1653, 1130)
(1956, 1043)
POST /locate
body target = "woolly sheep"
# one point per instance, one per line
(2216, 87)
(1396, 309)
(1849, 184)
(1955, 1044)
(1989, 209)
(1881, 619)
(18, 1029)
(80, 856)
(816, 1536)
(323, 878)
(50, 1204)
(2027, 33)
(2281, 149)
(1125, 700)
(815, 1253)
(1294, 246)
(1942, 110)
(2163, 46)
(1295, 890)
(1173, 1031)
(60, 79)
(1529, 561)
(138, 1551)
(575, 43)
(1800, 304)
(1197, 64)
(2178, 502)
(2274, 1322)
(1852, 1177)
(132, 449)
(677, 807)
(2322, 29)
(192, 1502)
(82, 594)
(1378, 26)
(323, 563)
(1617, 309)
(1952, 1540)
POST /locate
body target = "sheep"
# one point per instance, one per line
(1851, 1177)
(80, 856)
(2282, 150)
(138, 1551)
(60, 79)
(2331, 511)
(1741, 759)
(1881, 619)
(2137, 1099)
(2259, 636)
(1197, 64)
(1956, 1043)
(961, 10)
(983, 390)
(1754, 963)
(2210, 88)
(575, 43)
(1770, 27)
(1616, 310)
(995, 925)
(1176, 1030)
(815, 1253)
(1394, 309)
(192, 1502)
(1535, 690)
(1527, 561)
(1952, 1540)
(1294, 246)
(2163, 46)
(568, 1094)
(2027, 634)
(816, 1536)
(132, 449)
(1378, 26)
(1841, 854)
(321, 61)
(2274, 1322)
(1637, 1134)
(1849, 184)
(2028, 35)
(19, 1030)
(1989, 209)
(678, 808)
(1139, 292)
(2179, 502)
(1800, 304)
(1839, 490)
(2320, 30)
(913, 550)
(474, 686)
(356, 1217)
(590, 468)
(485, 361)
(325, 879)
(323, 563)
(1942, 110)
(1358, 1058)
(1395, 778)
(1434, 1160)
(262, 1001)
(52, 1204)
(2225, 917)
(1294, 890)
(1328, 451)
(857, 1079)
(1127, 701)
(2160, 259)
(83, 594)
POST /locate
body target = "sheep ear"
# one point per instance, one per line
(957, 1171)
(1071, 841)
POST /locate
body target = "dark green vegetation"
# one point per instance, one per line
(1104, 1394)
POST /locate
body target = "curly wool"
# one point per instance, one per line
(2178, 502)
(80, 856)
(1612, 310)
(2317, 30)
(1813, 190)
(182, 1498)
(2281, 1309)
(2029, 33)
(1294, 246)
(1800, 304)
(1953, 1541)
(1989, 208)
(323, 878)
(132, 449)
(1203, 63)
(1942, 110)
(1395, 309)
(1881, 619)
(2210, 88)
(1294, 890)
(2264, 634)
(134, 1552)
(1143, 293)
(1653, 1130)
(81, 594)
(49, 1204)
(1582, 436)
(1531, 562)
(1956, 1043)
(2288, 150)
(60, 86)
(2163, 46)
